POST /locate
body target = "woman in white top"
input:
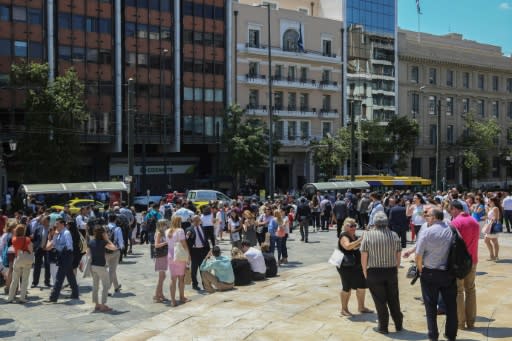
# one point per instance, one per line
(494, 215)
(283, 229)
(235, 228)
(416, 212)
(207, 221)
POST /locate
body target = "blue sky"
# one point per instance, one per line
(486, 21)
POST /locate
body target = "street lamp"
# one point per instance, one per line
(162, 111)
(508, 158)
(437, 111)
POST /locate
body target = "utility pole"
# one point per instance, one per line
(270, 114)
(352, 142)
(438, 144)
(130, 126)
(162, 110)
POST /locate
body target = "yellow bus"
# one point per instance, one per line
(383, 183)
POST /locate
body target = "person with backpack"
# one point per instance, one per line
(469, 230)
(115, 235)
(326, 213)
(151, 218)
(432, 262)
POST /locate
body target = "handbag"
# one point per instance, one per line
(188, 276)
(180, 254)
(497, 227)
(24, 257)
(281, 232)
(336, 258)
(349, 260)
(161, 251)
(83, 244)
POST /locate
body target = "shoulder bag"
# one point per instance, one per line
(24, 257)
(180, 254)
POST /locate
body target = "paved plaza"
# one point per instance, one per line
(301, 304)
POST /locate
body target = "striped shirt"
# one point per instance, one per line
(382, 245)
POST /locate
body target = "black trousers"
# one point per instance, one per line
(260, 236)
(65, 262)
(41, 259)
(507, 214)
(326, 219)
(402, 233)
(339, 226)
(197, 255)
(316, 220)
(209, 234)
(383, 285)
(433, 283)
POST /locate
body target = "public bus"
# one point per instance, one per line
(384, 183)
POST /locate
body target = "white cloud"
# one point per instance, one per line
(505, 6)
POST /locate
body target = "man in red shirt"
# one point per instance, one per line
(466, 293)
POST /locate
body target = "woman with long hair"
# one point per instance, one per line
(96, 251)
(494, 215)
(235, 228)
(283, 229)
(21, 266)
(175, 234)
(249, 228)
(416, 211)
(161, 260)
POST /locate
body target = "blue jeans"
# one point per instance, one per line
(273, 242)
(433, 283)
(282, 250)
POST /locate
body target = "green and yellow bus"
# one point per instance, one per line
(383, 183)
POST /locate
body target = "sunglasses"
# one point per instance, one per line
(354, 226)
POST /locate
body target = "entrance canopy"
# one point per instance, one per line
(75, 187)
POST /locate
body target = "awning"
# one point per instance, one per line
(333, 186)
(76, 187)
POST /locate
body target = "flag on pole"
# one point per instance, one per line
(300, 42)
(418, 6)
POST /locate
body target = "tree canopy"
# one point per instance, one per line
(331, 152)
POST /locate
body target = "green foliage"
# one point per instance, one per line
(247, 142)
(477, 141)
(330, 152)
(394, 141)
(50, 144)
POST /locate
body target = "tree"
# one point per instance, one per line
(247, 142)
(50, 144)
(479, 138)
(392, 142)
(331, 151)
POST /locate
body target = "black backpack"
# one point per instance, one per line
(151, 223)
(459, 259)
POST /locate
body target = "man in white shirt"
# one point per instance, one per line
(185, 214)
(81, 220)
(256, 260)
(507, 211)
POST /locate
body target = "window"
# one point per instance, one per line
(78, 22)
(449, 78)
(165, 33)
(104, 56)
(290, 39)
(481, 108)
(481, 82)
(35, 50)
(131, 59)
(78, 54)
(495, 83)
(449, 134)
(465, 105)
(129, 29)
(415, 74)
(142, 59)
(254, 37)
(65, 52)
(278, 72)
(65, 20)
(254, 96)
(416, 166)
(304, 102)
(465, 80)
(91, 25)
(415, 104)
(253, 69)
(154, 32)
(509, 85)
(19, 13)
(496, 109)
(326, 103)
(449, 106)
(509, 135)
(291, 73)
(495, 167)
(105, 26)
(279, 130)
(4, 79)
(154, 4)
(432, 103)
(208, 94)
(432, 76)
(5, 13)
(20, 48)
(292, 101)
(303, 74)
(433, 133)
(35, 16)
(326, 47)
(292, 130)
(92, 55)
(326, 128)
(304, 130)
(209, 11)
(188, 94)
(278, 100)
(326, 76)
(509, 110)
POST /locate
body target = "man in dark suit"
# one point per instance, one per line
(340, 212)
(41, 255)
(398, 220)
(198, 246)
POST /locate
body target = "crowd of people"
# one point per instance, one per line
(185, 241)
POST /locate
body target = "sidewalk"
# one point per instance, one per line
(303, 304)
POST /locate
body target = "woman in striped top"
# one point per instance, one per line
(380, 259)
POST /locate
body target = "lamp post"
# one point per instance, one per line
(508, 158)
(352, 142)
(130, 127)
(162, 110)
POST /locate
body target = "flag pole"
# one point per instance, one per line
(418, 11)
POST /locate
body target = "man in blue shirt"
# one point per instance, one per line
(63, 243)
(217, 270)
(432, 250)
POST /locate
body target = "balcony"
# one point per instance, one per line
(279, 52)
(329, 113)
(280, 111)
(256, 79)
(329, 85)
(299, 141)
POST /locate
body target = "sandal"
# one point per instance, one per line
(157, 299)
(346, 313)
(184, 300)
(366, 311)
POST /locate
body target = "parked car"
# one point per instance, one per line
(201, 197)
(76, 204)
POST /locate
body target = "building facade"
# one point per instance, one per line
(464, 77)
(175, 50)
(306, 81)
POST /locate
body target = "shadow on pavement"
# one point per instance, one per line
(504, 261)
(124, 294)
(494, 332)
(5, 321)
(481, 273)
(74, 302)
(483, 319)
(128, 262)
(407, 335)
(7, 333)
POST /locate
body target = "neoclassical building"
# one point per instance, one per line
(463, 76)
